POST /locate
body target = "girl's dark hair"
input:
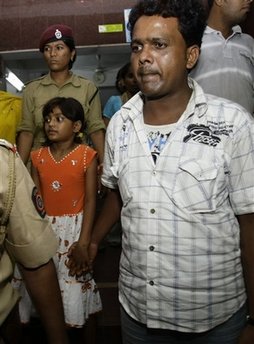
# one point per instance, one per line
(70, 108)
(191, 16)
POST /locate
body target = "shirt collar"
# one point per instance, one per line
(74, 80)
(197, 104)
(236, 30)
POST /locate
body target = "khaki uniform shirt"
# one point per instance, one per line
(29, 238)
(41, 90)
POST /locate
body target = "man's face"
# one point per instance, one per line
(159, 56)
(235, 11)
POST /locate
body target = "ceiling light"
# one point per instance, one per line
(14, 80)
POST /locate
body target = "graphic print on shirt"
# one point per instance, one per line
(156, 141)
(124, 134)
(202, 134)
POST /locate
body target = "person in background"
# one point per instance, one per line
(10, 115)
(226, 64)
(179, 164)
(26, 237)
(58, 48)
(65, 172)
(126, 86)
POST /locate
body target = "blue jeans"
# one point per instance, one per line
(134, 332)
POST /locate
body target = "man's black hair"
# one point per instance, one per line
(191, 15)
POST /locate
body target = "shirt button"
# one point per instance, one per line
(151, 248)
(154, 173)
(152, 211)
(151, 282)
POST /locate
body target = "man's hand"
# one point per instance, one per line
(78, 262)
(92, 251)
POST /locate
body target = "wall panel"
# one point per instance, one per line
(22, 21)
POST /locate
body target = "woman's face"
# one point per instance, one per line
(57, 56)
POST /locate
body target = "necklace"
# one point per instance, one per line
(65, 156)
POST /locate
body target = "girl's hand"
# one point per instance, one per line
(78, 262)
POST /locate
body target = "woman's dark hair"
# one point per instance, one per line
(210, 3)
(71, 45)
(70, 108)
(191, 16)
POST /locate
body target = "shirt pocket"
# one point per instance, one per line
(122, 173)
(195, 186)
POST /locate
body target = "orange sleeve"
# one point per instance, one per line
(90, 155)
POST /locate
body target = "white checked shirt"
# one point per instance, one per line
(180, 267)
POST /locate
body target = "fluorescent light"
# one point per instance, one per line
(14, 80)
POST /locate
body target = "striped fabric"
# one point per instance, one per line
(226, 66)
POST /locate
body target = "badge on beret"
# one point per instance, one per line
(58, 34)
(38, 202)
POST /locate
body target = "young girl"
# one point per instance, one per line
(65, 172)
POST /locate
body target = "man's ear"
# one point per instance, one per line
(77, 126)
(192, 56)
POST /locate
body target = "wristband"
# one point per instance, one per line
(250, 321)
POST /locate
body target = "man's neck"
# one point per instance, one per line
(217, 22)
(166, 110)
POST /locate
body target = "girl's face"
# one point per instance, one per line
(57, 56)
(59, 128)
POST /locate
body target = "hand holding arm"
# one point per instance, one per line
(78, 262)
(108, 216)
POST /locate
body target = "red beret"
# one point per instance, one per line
(54, 33)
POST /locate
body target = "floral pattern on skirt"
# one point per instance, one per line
(80, 295)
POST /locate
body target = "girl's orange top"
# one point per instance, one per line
(62, 183)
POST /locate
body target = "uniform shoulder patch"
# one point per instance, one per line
(38, 202)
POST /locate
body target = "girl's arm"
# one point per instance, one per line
(78, 252)
(89, 203)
